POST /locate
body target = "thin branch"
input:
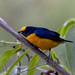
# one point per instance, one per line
(50, 72)
(37, 67)
(51, 63)
(6, 42)
(28, 57)
(19, 63)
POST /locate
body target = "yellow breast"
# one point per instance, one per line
(42, 43)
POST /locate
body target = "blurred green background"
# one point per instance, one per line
(50, 14)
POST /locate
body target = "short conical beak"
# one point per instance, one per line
(19, 32)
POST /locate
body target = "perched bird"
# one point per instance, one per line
(41, 37)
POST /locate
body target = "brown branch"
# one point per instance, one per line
(51, 63)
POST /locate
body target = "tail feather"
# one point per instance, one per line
(66, 40)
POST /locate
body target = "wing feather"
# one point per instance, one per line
(48, 34)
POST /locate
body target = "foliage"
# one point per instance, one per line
(4, 73)
(5, 56)
(32, 63)
(64, 52)
(14, 64)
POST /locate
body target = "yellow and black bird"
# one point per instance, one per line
(41, 37)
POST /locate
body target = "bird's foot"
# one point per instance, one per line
(35, 47)
(48, 57)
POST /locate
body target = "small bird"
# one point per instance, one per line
(42, 38)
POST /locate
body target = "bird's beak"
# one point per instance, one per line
(19, 32)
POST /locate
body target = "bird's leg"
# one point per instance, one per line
(49, 56)
(34, 46)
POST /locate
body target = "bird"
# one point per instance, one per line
(42, 38)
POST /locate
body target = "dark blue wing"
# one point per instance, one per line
(48, 34)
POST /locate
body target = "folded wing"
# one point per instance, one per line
(48, 34)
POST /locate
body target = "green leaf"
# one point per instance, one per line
(66, 25)
(5, 56)
(59, 30)
(46, 67)
(70, 49)
(53, 55)
(60, 52)
(32, 63)
(13, 65)
(4, 73)
(65, 52)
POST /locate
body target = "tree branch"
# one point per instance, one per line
(14, 43)
(51, 63)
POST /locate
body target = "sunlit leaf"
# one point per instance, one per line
(5, 56)
(53, 55)
(32, 63)
(46, 67)
(66, 25)
(70, 49)
(60, 52)
(13, 65)
(65, 52)
(59, 30)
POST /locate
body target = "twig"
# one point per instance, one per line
(19, 64)
(28, 57)
(51, 63)
(50, 72)
(31, 68)
(6, 42)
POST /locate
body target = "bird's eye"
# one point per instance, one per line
(19, 32)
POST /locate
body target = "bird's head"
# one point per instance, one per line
(26, 30)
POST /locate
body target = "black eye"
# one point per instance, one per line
(19, 32)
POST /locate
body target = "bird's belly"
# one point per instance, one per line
(42, 43)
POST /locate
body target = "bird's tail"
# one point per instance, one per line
(68, 41)
(63, 40)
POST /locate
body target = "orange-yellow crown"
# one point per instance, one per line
(23, 28)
